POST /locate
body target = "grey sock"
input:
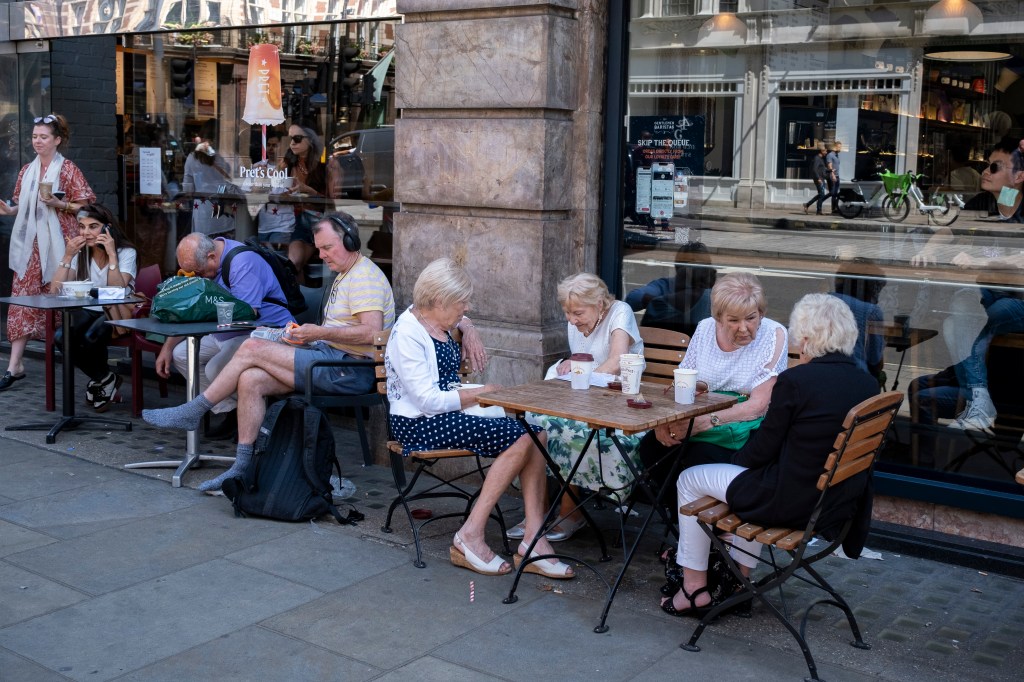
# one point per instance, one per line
(243, 456)
(185, 416)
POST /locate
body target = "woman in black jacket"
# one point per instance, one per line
(771, 480)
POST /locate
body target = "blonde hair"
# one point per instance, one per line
(585, 289)
(837, 146)
(442, 283)
(737, 292)
(821, 324)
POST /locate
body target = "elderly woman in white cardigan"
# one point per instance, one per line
(422, 362)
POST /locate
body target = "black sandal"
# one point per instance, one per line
(694, 610)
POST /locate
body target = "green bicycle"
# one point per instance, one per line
(902, 189)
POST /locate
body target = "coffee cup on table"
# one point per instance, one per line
(631, 367)
(581, 366)
(685, 381)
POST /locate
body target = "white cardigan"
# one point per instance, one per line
(411, 365)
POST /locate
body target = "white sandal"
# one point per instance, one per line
(465, 558)
(556, 571)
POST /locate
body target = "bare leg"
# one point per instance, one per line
(253, 385)
(299, 253)
(275, 359)
(15, 364)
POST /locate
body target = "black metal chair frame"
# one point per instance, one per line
(800, 559)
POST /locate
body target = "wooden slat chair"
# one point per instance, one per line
(663, 351)
(854, 451)
(443, 485)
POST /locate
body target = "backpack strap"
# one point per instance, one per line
(225, 270)
(311, 424)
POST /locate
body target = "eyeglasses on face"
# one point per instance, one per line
(298, 138)
(49, 118)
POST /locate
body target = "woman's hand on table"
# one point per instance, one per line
(965, 260)
(672, 434)
(563, 367)
(467, 396)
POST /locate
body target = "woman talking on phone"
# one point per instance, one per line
(48, 194)
(100, 253)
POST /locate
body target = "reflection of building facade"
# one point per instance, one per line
(503, 156)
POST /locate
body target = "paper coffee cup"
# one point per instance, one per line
(686, 385)
(45, 190)
(581, 366)
(225, 312)
(631, 368)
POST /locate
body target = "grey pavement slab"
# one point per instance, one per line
(48, 474)
(116, 633)
(16, 668)
(149, 547)
(397, 616)
(254, 654)
(24, 595)
(14, 538)
(430, 669)
(85, 510)
(321, 557)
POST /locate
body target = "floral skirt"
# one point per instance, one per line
(602, 466)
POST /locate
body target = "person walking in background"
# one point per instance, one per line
(48, 194)
(100, 253)
(207, 173)
(832, 177)
(819, 175)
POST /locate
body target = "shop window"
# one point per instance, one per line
(926, 239)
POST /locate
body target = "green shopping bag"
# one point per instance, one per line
(195, 299)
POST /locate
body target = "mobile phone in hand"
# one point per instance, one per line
(60, 195)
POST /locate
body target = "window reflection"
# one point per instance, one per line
(919, 231)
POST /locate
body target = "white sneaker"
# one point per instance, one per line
(974, 419)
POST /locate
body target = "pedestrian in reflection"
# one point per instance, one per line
(819, 175)
(47, 195)
(832, 166)
(679, 302)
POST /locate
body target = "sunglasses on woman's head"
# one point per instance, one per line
(298, 138)
(49, 118)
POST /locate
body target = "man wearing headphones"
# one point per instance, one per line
(360, 305)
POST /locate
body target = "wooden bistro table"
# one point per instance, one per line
(601, 409)
(68, 418)
(192, 331)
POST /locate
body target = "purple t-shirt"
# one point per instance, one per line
(253, 281)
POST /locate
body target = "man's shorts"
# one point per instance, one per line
(332, 380)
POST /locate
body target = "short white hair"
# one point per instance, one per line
(821, 324)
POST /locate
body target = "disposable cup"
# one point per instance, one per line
(686, 385)
(631, 367)
(225, 312)
(45, 190)
(581, 366)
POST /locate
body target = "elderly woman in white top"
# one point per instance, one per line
(737, 350)
(604, 328)
(422, 363)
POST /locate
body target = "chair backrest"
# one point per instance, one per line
(147, 279)
(663, 351)
(861, 439)
(380, 344)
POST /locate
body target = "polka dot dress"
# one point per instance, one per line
(486, 436)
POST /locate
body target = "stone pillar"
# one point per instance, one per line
(498, 160)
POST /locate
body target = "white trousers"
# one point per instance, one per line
(694, 545)
(214, 354)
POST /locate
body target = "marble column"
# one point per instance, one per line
(498, 160)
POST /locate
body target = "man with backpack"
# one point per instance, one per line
(360, 305)
(252, 280)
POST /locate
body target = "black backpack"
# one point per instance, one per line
(284, 271)
(290, 479)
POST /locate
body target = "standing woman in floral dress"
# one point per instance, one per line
(42, 227)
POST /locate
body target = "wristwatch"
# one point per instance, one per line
(716, 420)
(113, 268)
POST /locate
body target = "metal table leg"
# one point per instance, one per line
(68, 419)
(192, 454)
